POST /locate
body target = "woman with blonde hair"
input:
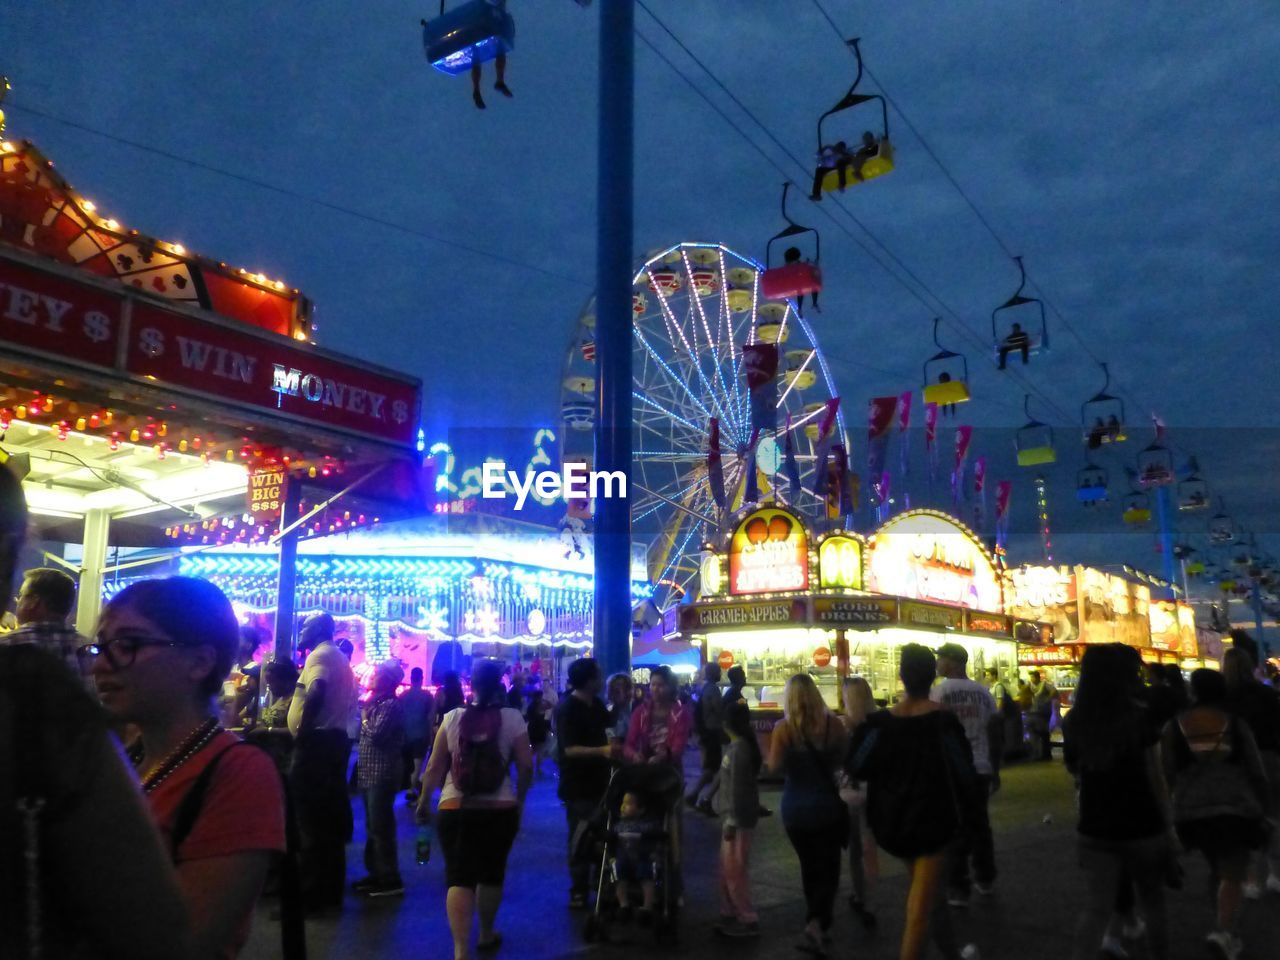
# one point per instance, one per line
(808, 746)
(858, 703)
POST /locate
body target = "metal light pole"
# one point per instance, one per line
(612, 627)
(1164, 515)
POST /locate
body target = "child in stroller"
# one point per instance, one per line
(635, 856)
(638, 845)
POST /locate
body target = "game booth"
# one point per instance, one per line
(155, 402)
(778, 600)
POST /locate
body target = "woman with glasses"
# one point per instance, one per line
(82, 871)
(162, 651)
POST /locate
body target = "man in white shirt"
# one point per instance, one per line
(318, 719)
(973, 705)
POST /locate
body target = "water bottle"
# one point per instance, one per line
(423, 846)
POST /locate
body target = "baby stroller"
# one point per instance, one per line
(660, 788)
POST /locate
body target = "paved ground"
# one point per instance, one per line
(1031, 916)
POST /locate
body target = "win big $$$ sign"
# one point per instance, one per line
(266, 495)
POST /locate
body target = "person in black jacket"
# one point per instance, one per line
(922, 789)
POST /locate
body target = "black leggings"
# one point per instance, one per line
(820, 857)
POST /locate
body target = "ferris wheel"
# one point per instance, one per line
(694, 307)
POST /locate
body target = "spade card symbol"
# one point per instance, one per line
(180, 281)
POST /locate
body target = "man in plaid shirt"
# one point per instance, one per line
(378, 772)
(45, 603)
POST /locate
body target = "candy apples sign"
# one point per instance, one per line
(769, 553)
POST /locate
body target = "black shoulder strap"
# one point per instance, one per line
(193, 802)
(292, 930)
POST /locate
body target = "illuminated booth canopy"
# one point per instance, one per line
(778, 601)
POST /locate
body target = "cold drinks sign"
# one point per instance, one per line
(769, 553)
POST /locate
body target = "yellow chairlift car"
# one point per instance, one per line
(840, 166)
(946, 374)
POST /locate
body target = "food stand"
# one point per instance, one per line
(778, 601)
(1083, 606)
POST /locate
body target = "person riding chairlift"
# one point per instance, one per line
(1096, 433)
(792, 255)
(841, 159)
(946, 409)
(1016, 340)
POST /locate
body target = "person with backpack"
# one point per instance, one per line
(162, 651)
(921, 791)
(807, 746)
(479, 810)
(1220, 796)
(1125, 842)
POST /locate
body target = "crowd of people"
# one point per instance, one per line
(164, 847)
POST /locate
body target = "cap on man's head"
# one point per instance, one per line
(316, 629)
(953, 651)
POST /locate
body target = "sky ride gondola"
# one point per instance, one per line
(1137, 509)
(840, 166)
(946, 374)
(468, 35)
(1222, 529)
(1009, 329)
(1103, 416)
(1155, 466)
(794, 277)
(1193, 493)
(1034, 440)
(1091, 485)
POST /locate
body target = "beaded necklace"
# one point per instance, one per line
(194, 742)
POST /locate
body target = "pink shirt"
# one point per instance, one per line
(643, 738)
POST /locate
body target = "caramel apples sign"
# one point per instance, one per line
(769, 552)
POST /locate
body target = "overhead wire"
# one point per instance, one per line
(1038, 285)
(298, 195)
(932, 308)
(977, 212)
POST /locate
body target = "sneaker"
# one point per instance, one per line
(503, 89)
(1228, 947)
(737, 930)
(479, 100)
(1133, 929)
(644, 917)
(363, 884)
(984, 889)
(764, 811)
(389, 888)
(957, 898)
(1113, 948)
(1251, 890)
(1273, 883)
(623, 916)
(970, 952)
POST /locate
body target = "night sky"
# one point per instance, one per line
(1127, 150)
